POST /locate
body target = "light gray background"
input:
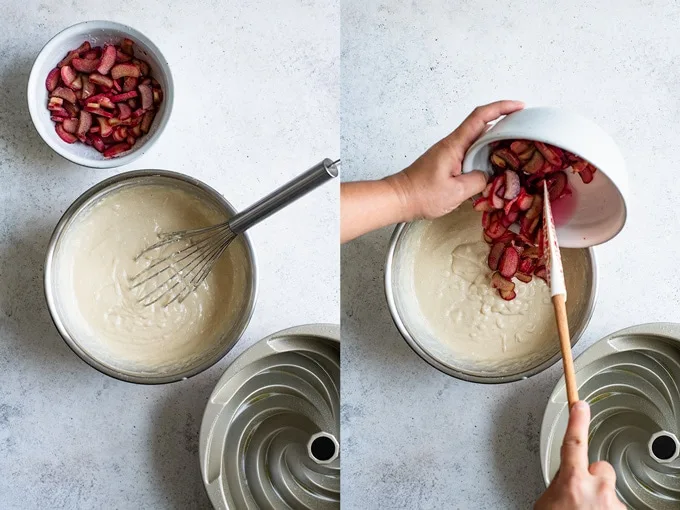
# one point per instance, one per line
(414, 438)
(256, 103)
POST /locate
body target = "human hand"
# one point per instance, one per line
(433, 185)
(578, 486)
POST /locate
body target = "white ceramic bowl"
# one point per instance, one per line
(98, 33)
(600, 212)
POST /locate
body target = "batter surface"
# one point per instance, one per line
(463, 311)
(96, 261)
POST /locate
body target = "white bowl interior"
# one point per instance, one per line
(97, 33)
(409, 313)
(599, 207)
(70, 324)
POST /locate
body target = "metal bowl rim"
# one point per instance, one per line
(74, 208)
(459, 374)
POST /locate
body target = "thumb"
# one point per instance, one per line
(471, 183)
(575, 444)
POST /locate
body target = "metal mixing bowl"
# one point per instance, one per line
(269, 436)
(630, 379)
(78, 207)
(407, 317)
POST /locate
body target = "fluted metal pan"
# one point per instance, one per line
(270, 433)
(632, 381)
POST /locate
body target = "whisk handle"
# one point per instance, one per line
(285, 195)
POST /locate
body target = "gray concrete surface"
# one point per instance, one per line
(256, 103)
(414, 438)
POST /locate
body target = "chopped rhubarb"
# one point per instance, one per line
(501, 283)
(536, 208)
(122, 57)
(64, 93)
(117, 149)
(58, 111)
(557, 185)
(118, 98)
(508, 295)
(108, 60)
(549, 153)
(55, 103)
(64, 135)
(496, 229)
(146, 95)
(542, 273)
(507, 155)
(527, 154)
(52, 79)
(104, 128)
(70, 125)
(127, 47)
(124, 111)
(523, 277)
(84, 124)
(89, 88)
(524, 201)
(105, 102)
(486, 219)
(120, 134)
(104, 82)
(509, 262)
(520, 146)
(98, 143)
(506, 237)
(534, 164)
(498, 161)
(84, 65)
(526, 264)
(99, 79)
(125, 70)
(481, 204)
(587, 174)
(99, 111)
(495, 255)
(129, 83)
(76, 84)
(512, 185)
(147, 120)
(68, 75)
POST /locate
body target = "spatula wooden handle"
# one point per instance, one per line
(560, 306)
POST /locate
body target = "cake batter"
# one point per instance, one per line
(462, 310)
(96, 262)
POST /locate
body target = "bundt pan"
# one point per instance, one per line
(269, 436)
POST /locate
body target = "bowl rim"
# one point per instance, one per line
(576, 334)
(34, 81)
(74, 208)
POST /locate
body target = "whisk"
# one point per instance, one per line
(176, 275)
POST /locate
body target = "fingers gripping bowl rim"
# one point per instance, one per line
(601, 207)
(98, 31)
